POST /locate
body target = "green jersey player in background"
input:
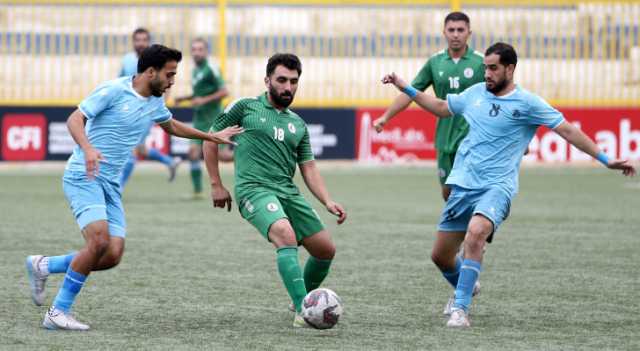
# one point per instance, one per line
(276, 140)
(449, 71)
(208, 92)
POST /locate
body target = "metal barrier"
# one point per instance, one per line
(571, 52)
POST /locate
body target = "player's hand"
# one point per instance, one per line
(337, 210)
(224, 136)
(627, 169)
(394, 79)
(179, 100)
(92, 158)
(379, 124)
(198, 101)
(221, 197)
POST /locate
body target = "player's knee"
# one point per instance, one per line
(194, 154)
(113, 259)
(97, 236)
(328, 252)
(477, 234)
(115, 254)
(439, 259)
(99, 244)
(281, 234)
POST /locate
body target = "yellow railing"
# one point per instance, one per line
(586, 53)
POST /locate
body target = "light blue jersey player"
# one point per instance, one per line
(141, 39)
(116, 115)
(502, 120)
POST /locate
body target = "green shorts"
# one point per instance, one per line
(202, 123)
(262, 209)
(445, 164)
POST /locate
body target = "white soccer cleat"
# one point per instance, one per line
(299, 322)
(56, 319)
(448, 308)
(37, 279)
(173, 167)
(458, 319)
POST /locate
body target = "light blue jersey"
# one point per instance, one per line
(500, 128)
(129, 64)
(117, 118)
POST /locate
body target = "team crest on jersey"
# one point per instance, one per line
(495, 110)
(468, 72)
(272, 207)
(292, 128)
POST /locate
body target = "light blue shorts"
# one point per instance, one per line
(492, 203)
(94, 200)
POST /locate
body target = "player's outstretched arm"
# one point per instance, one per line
(581, 141)
(430, 103)
(92, 157)
(219, 194)
(315, 183)
(215, 96)
(399, 104)
(180, 129)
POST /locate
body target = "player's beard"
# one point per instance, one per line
(156, 88)
(198, 60)
(280, 99)
(497, 86)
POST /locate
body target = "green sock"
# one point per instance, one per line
(291, 274)
(315, 270)
(196, 176)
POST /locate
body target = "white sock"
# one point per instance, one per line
(43, 266)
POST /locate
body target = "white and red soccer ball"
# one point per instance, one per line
(322, 308)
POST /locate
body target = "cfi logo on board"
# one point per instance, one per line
(24, 137)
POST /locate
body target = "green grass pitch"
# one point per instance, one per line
(562, 273)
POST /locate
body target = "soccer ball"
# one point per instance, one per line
(321, 308)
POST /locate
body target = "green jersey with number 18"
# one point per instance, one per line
(273, 144)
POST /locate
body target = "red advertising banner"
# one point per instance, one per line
(409, 136)
(406, 138)
(24, 137)
(615, 130)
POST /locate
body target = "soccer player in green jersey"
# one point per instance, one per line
(208, 92)
(449, 71)
(275, 140)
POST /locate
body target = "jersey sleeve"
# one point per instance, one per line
(217, 79)
(162, 113)
(543, 114)
(99, 100)
(456, 103)
(231, 116)
(305, 154)
(424, 78)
